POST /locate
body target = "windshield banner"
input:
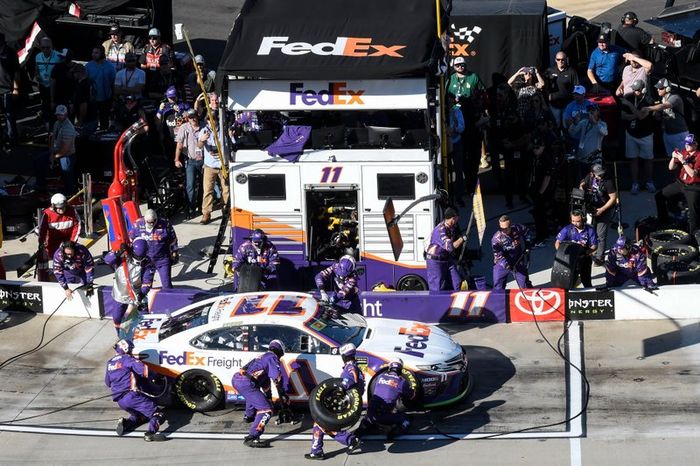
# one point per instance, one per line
(406, 94)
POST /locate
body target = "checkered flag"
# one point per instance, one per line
(465, 34)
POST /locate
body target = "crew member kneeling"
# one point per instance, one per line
(627, 261)
(258, 250)
(338, 285)
(73, 263)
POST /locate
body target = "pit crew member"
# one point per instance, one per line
(338, 285)
(73, 263)
(122, 377)
(510, 244)
(579, 232)
(627, 261)
(58, 223)
(258, 250)
(440, 262)
(160, 236)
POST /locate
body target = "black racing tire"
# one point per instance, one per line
(679, 273)
(564, 269)
(412, 282)
(668, 237)
(199, 390)
(249, 278)
(415, 402)
(333, 407)
(675, 253)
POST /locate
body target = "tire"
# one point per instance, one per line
(668, 237)
(564, 269)
(333, 407)
(677, 253)
(249, 278)
(679, 273)
(413, 403)
(412, 282)
(199, 390)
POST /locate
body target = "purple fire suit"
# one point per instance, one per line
(620, 268)
(76, 269)
(253, 382)
(439, 260)
(382, 406)
(132, 281)
(352, 378)
(586, 238)
(343, 291)
(121, 377)
(266, 257)
(508, 250)
(162, 243)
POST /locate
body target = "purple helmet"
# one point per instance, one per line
(171, 92)
(139, 248)
(258, 237)
(622, 242)
(124, 346)
(345, 266)
(277, 347)
(396, 365)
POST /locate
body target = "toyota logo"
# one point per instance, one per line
(538, 302)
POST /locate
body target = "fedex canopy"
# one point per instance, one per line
(400, 94)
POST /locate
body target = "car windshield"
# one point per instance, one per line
(188, 319)
(348, 328)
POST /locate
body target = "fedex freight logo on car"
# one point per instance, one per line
(343, 46)
(546, 304)
(189, 358)
(337, 93)
(418, 336)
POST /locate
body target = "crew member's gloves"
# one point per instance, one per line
(324, 296)
(89, 290)
(174, 257)
(143, 300)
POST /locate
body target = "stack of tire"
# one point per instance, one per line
(564, 269)
(673, 259)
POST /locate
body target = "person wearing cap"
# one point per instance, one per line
(169, 117)
(636, 68)
(130, 80)
(441, 264)
(639, 134)
(351, 378)
(578, 106)
(208, 76)
(673, 124)
(585, 235)
(62, 139)
(603, 65)
(101, 74)
(463, 83)
(601, 197)
(560, 81)
(160, 236)
(130, 112)
(150, 59)
(627, 261)
(588, 134)
(510, 245)
(527, 84)
(687, 183)
(631, 37)
(191, 136)
(116, 48)
(254, 382)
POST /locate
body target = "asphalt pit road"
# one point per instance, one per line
(12, 317)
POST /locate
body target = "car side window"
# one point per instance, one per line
(227, 338)
(294, 339)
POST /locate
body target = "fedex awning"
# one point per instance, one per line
(333, 39)
(399, 94)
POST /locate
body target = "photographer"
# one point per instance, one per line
(585, 235)
(588, 130)
(600, 195)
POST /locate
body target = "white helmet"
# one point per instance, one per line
(150, 215)
(153, 32)
(58, 200)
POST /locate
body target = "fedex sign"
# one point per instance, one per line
(344, 46)
(337, 93)
(186, 358)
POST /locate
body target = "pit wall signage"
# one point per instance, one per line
(400, 94)
(590, 305)
(19, 297)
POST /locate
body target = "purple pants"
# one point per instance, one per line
(379, 412)
(349, 305)
(255, 402)
(342, 437)
(75, 276)
(622, 276)
(443, 275)
(163, 266)
(139, 406)
(500, 276)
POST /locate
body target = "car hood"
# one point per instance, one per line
(413, 342)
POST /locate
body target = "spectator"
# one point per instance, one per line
(116, 48)
(130, 80)
(673, 122)
(526, 82)
(560, 81)
(503, 119)
(636, 70)
(541, 187)
(602, 195)
(585, 235)
(576, 107)
(639, 135)
(589, 132)
(455, 148)
(9, 90)
(130, 113)
(46, 60)
(63, 147)
(102, 75)
(84, 104)
(630, 37)
(208, 76)
(603, 65)
(212, 169)
(150, 60)
(156, 87)
(191, 136)
(687, 183)
(63, 81)
(463, 83)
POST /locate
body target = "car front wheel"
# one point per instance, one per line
(199, 390)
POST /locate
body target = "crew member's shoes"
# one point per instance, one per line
(355, 444)
(650, 187)
(206, 218)
(154, 437)
(635, 188)
(315, 456)
(121, 426)
(248, 418)
(255, 442)
(394, 432)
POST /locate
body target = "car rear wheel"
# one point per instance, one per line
(199, 390)
(333, 407)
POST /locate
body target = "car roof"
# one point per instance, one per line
(286, 307)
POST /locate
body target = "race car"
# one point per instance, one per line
(202, 345)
